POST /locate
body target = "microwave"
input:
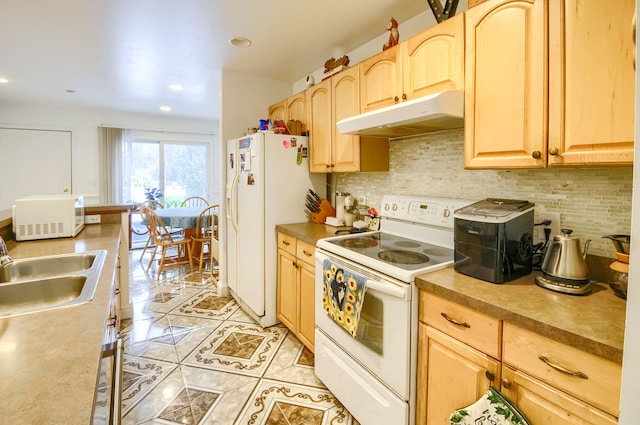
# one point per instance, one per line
(47, 217)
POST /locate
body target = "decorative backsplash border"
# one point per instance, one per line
(593, 202)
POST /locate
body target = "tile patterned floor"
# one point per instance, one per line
(192, 357)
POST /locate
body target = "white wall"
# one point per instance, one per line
(84, 123)
(631, 358)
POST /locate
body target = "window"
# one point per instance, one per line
(166, 170)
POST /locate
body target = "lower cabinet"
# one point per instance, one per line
(295, 286)
(549, 382)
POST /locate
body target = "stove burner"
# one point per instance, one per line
(402, 257)
(437, 252)
(357, 243)
(407, 244)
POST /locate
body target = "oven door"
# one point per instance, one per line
(383, 344)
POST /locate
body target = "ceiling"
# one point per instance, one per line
(124, 54)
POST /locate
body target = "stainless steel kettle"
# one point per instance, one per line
(563, 259)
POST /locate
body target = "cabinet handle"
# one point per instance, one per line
(396, 99)
(506, 383)
(490, 376)
(454, 321)
(536, 154)
(404, 97)
(562, 369)
(553, 151)
(328, 166)
(116, 291)
(113, 321)
(294, 264)
(307, 253)
(286, 243)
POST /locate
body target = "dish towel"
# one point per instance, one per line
(342, 296)
(492, 408)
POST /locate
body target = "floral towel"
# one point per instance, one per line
(492, 409)
(342, 296)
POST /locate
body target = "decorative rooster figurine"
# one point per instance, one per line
(394, 35)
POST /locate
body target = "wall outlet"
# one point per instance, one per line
(554, 226)
(92, 219)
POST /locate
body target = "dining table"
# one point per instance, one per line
(181, 217)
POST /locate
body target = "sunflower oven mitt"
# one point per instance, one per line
(492, 409)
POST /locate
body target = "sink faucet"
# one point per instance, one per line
(4, 253)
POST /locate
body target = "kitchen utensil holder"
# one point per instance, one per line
(326, 210)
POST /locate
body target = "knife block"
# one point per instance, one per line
(326, 210)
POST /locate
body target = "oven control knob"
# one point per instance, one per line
(395, 207)
(446, 213)
(386, 207)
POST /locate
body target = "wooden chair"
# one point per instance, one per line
(205, 244)
(148, 204)
(195, 201)
(164, 239)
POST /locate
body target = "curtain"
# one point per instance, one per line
(110, 142)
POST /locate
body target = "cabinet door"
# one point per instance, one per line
(345, 93)
(432, 60)
(306, 322)
(591, 83)
(287, 296)
(381, 80)
(543, 404)
(506, 84)
(451, 375)
(296, 108)
(277, 111)
(319, 109)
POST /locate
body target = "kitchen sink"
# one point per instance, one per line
(36, 267)
(37, 284)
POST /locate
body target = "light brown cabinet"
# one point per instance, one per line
(461, 352)
(529, 103)
(295, 286)
(330, 151)
(547, 379)
(291, 108)
(505, 84)
(591, 83)
(458, 351)
(427, 63)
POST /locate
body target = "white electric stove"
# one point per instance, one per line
(373, 374)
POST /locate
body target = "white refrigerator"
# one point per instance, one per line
(267, 182)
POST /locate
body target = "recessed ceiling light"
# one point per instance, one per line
(70, 91)
(240, 42)
(3, 80)
(165, 108)
(176, 87)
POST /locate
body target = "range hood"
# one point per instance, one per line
(440, 111)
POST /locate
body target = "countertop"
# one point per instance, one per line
(49, 361)
(309, 232)
(593, 323)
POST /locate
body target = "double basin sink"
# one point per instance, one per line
(37, 284)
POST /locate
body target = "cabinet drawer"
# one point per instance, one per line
(462, 323)
(583, 375)
(287, 243)
(305, 252)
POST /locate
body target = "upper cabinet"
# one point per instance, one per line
(427, 63)
(592, 82)
(574, 109)
(432, 61)
(330, 151)
(381, 79)
(292, 108)
(505, 84)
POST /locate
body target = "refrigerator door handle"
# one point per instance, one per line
(234, 198)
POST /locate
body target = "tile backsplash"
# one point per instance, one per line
(593, 202)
